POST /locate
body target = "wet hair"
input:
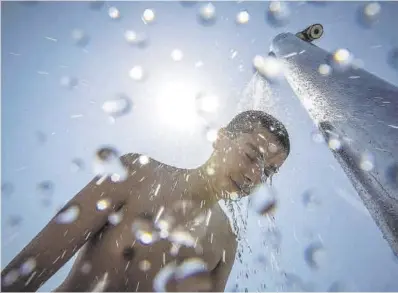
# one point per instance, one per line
(245, 122)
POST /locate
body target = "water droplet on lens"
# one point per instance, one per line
(7, 188)
(28, 266)
(314, 255)
(393, 58)
(368, 14)
(108, 163)
(210, 170)
(325, 69)
(192, 275)
(269, 67)
(136, 39)
(10, 278)
(41, 137)
(177, 55)
(207, 103)
(144, 265)
(310, 200)
(334, 144)
(278, 13)
(86, 268)
(69, 82)
(96, 5)
(113, 13)
(45, 188)
(128, 253)
(263, 201)
(242, 17)
(80, 38)
(366, 162)
(14, 221)
(164, 277)
(144, 230)
(137, 73)
(181, 237)
(103, 204)
(211, 134)
(207, 14)
(77, 165)
(341, 60)
(115, 218)
(148, 16)
(119, 106)
(107, 154)
(143, 160)
(67, 215)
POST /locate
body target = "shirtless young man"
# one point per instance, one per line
(127, 255)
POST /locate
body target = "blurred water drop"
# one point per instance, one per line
(188, 3)
(234, 53)
(41, 137)
(137, 73)
(192, 275)
(144, 230)
(210, 170)
(14, 221)
(136, 39)
(7, 188)
(368, 14)
(45, 188)
(317, 137)
(103, 204)
(366, 161)
(77, 165)
(164, 277)
(177, 55)
(310, 200)
(269, 67)
(393, 58)
(334, 143)
(69, 82)
(108, 163)
(341, 59)
(278, 13)
(294, 283)
(181, 237)
(337, 287)
(242, 17)
(148, 16)
(96, 4)
(113, 13)
(115, 218)
(199, 64)
(314, 255)
(324, 69)
(207, 14)
(86, 268)
(211, 134)
(263, 201)
(143, 160)
(80, 38)
(392, 174)
(28, 266)
(207, 103)
(10, 278)
(118, 106)
(68, 215)
(144, 265)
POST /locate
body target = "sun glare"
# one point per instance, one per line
(176, 104)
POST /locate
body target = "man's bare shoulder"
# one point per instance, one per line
(140, 160)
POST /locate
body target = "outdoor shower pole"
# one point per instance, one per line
(357, 109)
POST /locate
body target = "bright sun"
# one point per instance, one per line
(176, 104)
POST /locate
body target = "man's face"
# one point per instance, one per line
(244, 162)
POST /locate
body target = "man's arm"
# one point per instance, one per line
(60, 240)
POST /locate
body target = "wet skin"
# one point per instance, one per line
(110, 255)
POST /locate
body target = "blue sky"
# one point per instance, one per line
(356, 255)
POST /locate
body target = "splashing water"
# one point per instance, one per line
(114, 13)
(369, 14)
(115, 218)
(193, 275)
(144, 230)
(148, 16)
(80, 38)
(77, 165)
(103, 204)
(28, 266)
(278, 13)
(242, 17)
(207, 14)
